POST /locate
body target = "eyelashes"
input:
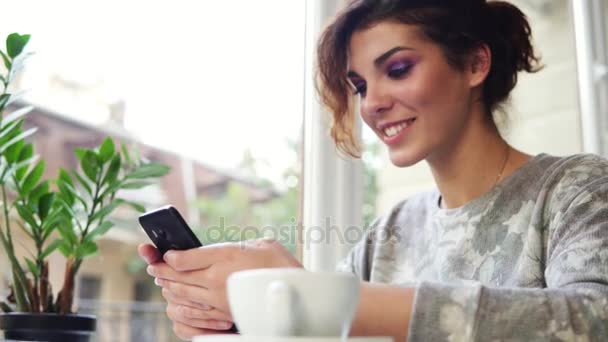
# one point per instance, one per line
(395, 71)
(360, 87)
(399, 69)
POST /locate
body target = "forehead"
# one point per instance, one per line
(368, 43)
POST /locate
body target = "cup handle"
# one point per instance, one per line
(280, 309)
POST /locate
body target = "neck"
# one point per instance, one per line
(472, 164)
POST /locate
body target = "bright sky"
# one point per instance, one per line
(203, 78)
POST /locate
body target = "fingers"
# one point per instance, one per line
(149, 253)
(170, 297)
(163, 271)
(199, 258)
(187, 333)
(198, 318)
(194, 294)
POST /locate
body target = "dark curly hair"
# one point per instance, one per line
(457, 26)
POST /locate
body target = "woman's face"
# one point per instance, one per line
(415, 102)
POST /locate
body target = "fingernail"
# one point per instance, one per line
(150, 269)
(168, 256)
(225, 325)
(144, 258)
(157, 282)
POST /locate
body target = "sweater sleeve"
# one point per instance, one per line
(572, 307)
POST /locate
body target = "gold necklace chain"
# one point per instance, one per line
(502, 169)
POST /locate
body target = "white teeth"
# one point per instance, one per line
(394, 130)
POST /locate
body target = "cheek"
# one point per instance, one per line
(425, 90)
(367, 119)
(436, 95)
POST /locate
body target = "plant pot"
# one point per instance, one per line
(47, 327)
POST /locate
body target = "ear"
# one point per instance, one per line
(480, 63)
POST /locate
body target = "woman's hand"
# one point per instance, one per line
(189, 319)
(196, 315)
(199, 275)
(194, 281)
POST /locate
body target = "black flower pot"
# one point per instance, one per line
(47, 327)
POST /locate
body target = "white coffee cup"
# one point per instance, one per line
(293, 302)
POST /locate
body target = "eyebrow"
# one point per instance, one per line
(381, 59)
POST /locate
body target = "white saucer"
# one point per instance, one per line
(241, 338)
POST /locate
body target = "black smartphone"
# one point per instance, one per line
(168, 230)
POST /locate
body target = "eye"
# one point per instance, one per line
(360, 88)
(359, 85)
(399, 69)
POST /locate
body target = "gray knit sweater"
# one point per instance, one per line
(527, 261)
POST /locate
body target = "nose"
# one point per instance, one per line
(376, 101)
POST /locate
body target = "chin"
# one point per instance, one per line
(404, 158)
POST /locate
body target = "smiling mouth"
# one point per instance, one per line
(396, 128)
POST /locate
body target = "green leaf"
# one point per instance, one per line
(38, 191)
(106, 151)
(18, 114)
(70, 194)
(27, 214)
(126, 154)
(55, 217)
(106, 210)
(33, 177)
(3, 100)
(111, 189)
(65, 249)
(50, 249)
(151, 170)
(26, 163)
(135, 185)
(15, 44)
(64, 176)
(7, 61)
(113, 170)
(86, 249)
(138, 207)
(80, 152)
(66, 193)
(100, 230)
(32, 267)
(12, 152)
(26, 153)
(83, 182)
(67, 234)
(9, 131)
(45, 204)
(90, 165)
(22, 296)
(14, 141)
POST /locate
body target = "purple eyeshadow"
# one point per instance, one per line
(399, 66)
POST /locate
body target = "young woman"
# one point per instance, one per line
(509, 247)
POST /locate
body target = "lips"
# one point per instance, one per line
(393, 132)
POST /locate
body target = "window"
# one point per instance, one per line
(90, 287)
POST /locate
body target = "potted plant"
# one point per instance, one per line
(67, 214)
